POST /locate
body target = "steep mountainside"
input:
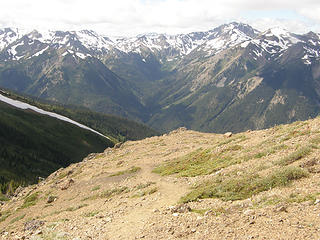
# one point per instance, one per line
(37, 140)
(34, 145)
(116, 128)
(232, 77)
(182, 185)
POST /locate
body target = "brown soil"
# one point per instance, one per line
(101, 202)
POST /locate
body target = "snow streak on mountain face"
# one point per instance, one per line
(82, 44)
(22, 105)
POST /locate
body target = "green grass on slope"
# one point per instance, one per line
(33, 145)
(274, 165)
(206, 161)
(243, 187)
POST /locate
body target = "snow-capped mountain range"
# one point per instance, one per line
(201, 80)
(15, 46)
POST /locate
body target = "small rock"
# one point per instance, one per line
(308, 203)
(193, 230)
(175, 214)
(108, 151)
(51, 199)
(40, 179)
(90, 156)
(156, 210)
(38, 232)
(317, 201)
(108, 219)
(67, 184)
(18, 191)
(33, 225)
(207, 213)
(280, 208)
(117, 145)
(120, 163)
(62, 235)
(228, 134)
(182, 129)
(249, 212)
(182, 208)
(70, 172)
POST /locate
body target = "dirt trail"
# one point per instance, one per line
(132, 223)
(115, 195)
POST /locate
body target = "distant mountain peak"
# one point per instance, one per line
(235, 27)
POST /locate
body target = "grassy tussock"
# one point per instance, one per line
(144, 185)
(315, 140)
(30, 200)
(91, 214)
(4, 215)
(17, 218)
(145, 192)
(243, 187)
(212, 211)
(107, 193)
(270, 151)
(95, 188)
(295, 156)
(72, 209)
(291, 198)
(131, 170)
(3, 197)
(199, 162)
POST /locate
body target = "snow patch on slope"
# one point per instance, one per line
(40, 52)
(92, 40)
(275, 41)
(22, 105)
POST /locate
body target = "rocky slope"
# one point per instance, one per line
(183, 185)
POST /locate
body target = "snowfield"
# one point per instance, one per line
(23, 105)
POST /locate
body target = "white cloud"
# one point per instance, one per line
(312, 13)
(292, 25)
(123, 17)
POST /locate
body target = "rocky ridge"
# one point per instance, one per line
(153, 189)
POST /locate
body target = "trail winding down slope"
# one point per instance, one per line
(264, 185)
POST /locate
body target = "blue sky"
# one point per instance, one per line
(131, 17)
